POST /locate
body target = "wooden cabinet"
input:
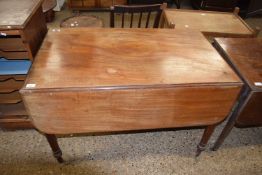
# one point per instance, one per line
(216, 5)
(20, 39)
(87, 4)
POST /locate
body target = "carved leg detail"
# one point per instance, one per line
(207, 134)
(52, 140)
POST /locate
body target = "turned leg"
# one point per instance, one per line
(52, 140)
(207, 133)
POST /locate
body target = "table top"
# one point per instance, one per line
(208, 22)
(245, 55)
(14, 14)
(120, 58)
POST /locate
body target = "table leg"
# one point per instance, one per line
(232, 118)
(52, 140)
(207, 134)
(178, 3)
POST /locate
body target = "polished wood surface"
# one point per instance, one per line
(210, 23)
(120, 59)
(98, 87)
(14, 14)
(252, 111)
(104, 80)
(83, 111)
(245, 57)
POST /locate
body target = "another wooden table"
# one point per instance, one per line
(82, 21)
(212, 24)
(245, 56)
(104, 80)
(22, 29)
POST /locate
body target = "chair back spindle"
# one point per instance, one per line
(140, 10)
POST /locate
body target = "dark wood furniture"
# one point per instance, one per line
(22, 29)
(178, 3)
(132, 10)
(82, 21)
(48, 6)
(250, 8)
(216, 5)
(211, 24)
(94, 4)
(127, 79)
(245, 57)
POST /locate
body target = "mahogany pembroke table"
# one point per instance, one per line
(104, 80)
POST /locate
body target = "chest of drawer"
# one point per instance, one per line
(11, 44)
(10, 85)
(10, 98)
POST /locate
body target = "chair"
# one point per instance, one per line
(137, 9)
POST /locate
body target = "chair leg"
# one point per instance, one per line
(52, 140)
(207, 134)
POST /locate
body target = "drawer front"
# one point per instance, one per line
(251, 114)
(10, 98)
(14, 55)
(14, 116)
(12, 44)
(120, 110)
(89, 3)
(106, 3)
(10, 85)
(120, 2)
(15, 77)
(109, 3)
(82, 3)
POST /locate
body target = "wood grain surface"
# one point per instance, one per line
(108, 58)
(86, 80)
(251, 113)
(80, 111)
(14, 14)
(246, 56)
(209, 22)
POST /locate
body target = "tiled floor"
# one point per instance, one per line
(165, 152)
